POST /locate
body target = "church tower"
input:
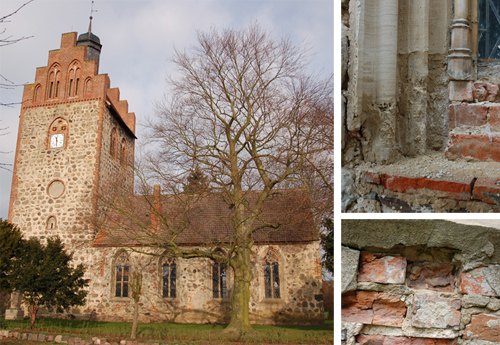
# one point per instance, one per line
(75, 138)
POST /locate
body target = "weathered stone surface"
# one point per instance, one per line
(483, 326)
(473, 300)
(492, 275)
(364, 339)
(435, 312)
(494, 119)
(380, 268)
(348, 190)
(494, 304)
(475, 281)
(350, 261)
(431, 276)
(369, 307)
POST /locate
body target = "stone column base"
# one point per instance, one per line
(14, 314)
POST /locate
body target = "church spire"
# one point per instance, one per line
(90, 40)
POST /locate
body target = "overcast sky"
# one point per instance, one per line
(138, 37)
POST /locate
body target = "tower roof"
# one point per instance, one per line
(88, 36)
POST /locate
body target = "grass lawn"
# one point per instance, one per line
(174, 333)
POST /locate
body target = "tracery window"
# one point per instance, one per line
(219, 280)
(53, 82)
(73, 79)
(271, 276)
(169, 273)
(122, 269)
(489, 30)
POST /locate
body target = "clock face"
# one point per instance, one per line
(57, 141)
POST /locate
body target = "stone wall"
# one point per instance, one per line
(301, 299)
(424, 291)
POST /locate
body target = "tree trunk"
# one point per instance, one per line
(134, 323)
(240, 299)
(34, 311)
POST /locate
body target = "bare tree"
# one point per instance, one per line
(8, 40)
(243, 116)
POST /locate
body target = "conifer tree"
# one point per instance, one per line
(44, 276)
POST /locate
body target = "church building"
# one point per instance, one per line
(75, 137)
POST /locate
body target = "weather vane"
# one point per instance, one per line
(91, 11)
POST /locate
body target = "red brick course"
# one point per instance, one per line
(487, 190)
(432, 276)
(468, 115)
(379, 268)
(483, 326)
(480, 147)
(475, 282)
(370, 307)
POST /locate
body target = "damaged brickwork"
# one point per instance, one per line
(416, 282)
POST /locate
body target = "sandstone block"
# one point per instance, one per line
(473, 300)
(365, 339)
(379, 268)
(460, 91)
(468, 115)
(58, 339)
(436, 312)
(458, 188)
(432, 276)
(483, 326)
(350, 261)
(475, 281)
(494, 304)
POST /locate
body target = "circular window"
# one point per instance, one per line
(56, 189)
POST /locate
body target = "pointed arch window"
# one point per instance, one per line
(169, 278)
(271, 276)
(51, 223)
(37, 95)
(88, 87)
(123, 152)
(219, 280)
(58, 134)
(113, 147)
(54, 82)
(73, 79)
(122, 275)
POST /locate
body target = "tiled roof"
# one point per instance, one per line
(208, 220)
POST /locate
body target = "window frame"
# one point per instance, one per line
(124, 257)
(173, 261)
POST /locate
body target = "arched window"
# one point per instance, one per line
(271, 276)
(88, 87)
(58, 134)
(73, 78)
(123, 152)
(37, 95)
(219, 280)
(54, 82)
(51, 223)
(113, 147)
(122, 270)
(169, 278)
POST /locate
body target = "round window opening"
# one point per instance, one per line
(56, 189)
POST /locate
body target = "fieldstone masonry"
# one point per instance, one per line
(56, 185)
(440, 300)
